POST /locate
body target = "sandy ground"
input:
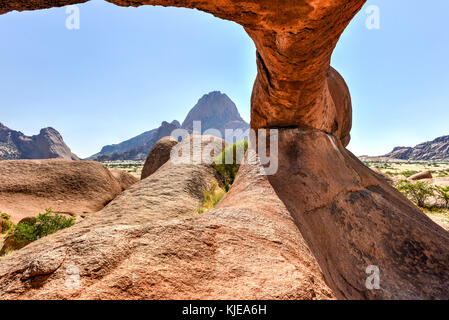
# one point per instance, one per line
(132, 167)
(401, 169)
(395, 167)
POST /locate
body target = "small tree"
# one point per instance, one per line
(443, 194)
(34, 228)
(418, 192)
(227, 170)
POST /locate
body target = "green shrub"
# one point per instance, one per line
(442, 174)
(418, 192)
(6, 223)
(443, 194)
(228, 171)
(211, 198)
(32, 229)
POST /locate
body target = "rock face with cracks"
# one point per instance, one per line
(348, 216)
(357, 219)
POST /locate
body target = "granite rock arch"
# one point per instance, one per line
(349, 217)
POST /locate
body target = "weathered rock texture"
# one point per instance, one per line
(124, 179)
(349, 218)
(150, 243)
(28, 187)
(356, 219)
(48, 144)
(158, 156)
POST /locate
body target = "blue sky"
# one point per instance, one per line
(128, 69)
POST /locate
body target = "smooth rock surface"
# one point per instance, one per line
(28, 187)
(436, 150)
(356, 219)
(421, 176)
(158, 156)
(124, 179)
(150, 243)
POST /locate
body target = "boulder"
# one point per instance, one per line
(352, 220)
(150, 243)
(341, 97)
(124, 179)
(28, 187)
(356, 220)
(384, 176)
(158, 155)
(422, 175)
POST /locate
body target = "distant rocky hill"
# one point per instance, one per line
(138, 147)
(48, 144)
(437, 149)
(127, 145)
(215, 110)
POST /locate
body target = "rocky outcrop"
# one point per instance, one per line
(349, 218)
(125, 146)
(342, 99)
(436, 150)
(124, 179)
(150, 243)
(158, 156)
(422, 175)
(28, 187)
(356, 220)
(383, 176)
(215, 111)
(142, 145)
(48, 144)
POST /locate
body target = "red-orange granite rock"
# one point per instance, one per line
(348, 216)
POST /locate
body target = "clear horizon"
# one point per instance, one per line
(128, 69)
